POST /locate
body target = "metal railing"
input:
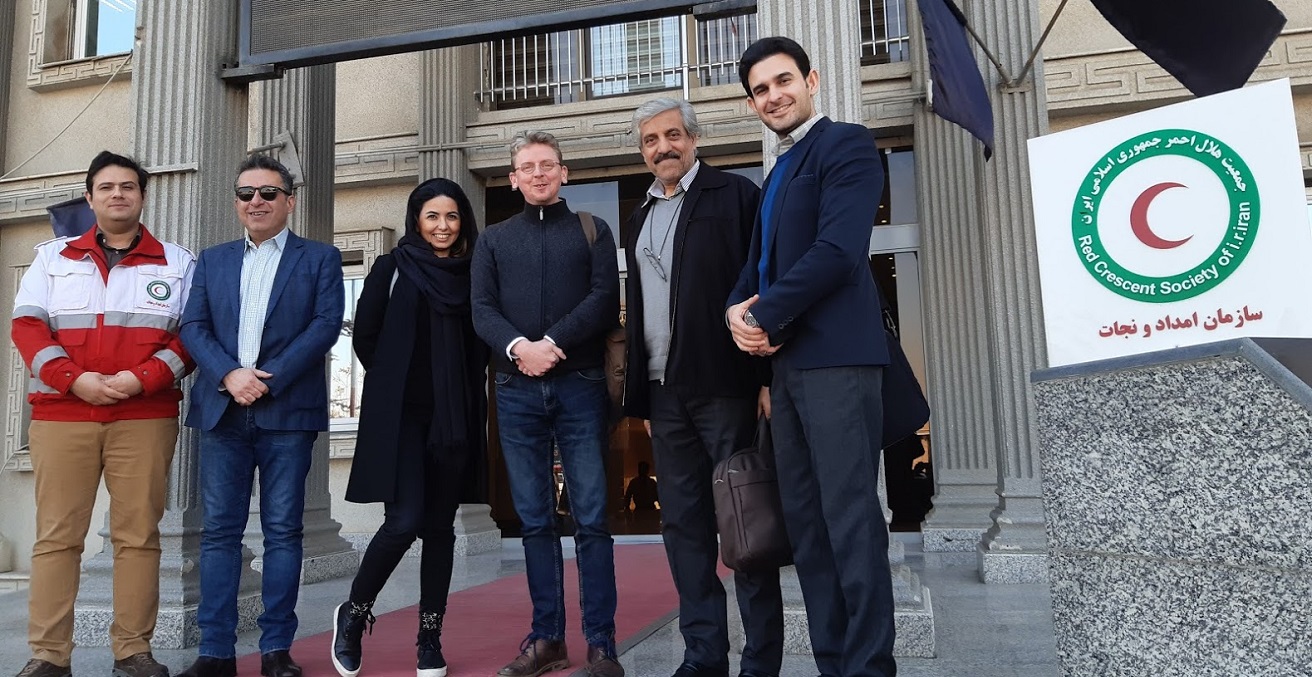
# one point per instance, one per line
(650, 55)
(884, 34)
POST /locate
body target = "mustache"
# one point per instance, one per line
(670, 155)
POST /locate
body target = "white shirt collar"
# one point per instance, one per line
(792, 138)
(657, 190)
(279, 240)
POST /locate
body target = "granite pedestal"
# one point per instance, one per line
(1177, 488)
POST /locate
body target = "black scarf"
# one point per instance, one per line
(444, 283)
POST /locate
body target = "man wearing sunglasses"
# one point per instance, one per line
(545, 294)
(697, 392)
(263, 313)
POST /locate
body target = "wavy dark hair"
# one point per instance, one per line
(464, 245)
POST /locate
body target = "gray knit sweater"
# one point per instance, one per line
(534, 275)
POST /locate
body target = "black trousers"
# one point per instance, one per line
(689, 436)
(827, 426)
(427, 496)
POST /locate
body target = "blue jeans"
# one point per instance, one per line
(568, 408)
(229, 456)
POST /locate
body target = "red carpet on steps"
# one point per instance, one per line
(485, 624)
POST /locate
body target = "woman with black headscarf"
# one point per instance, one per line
(422, 414)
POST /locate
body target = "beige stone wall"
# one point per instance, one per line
(35, 117)
(379, 97)
(370, 207)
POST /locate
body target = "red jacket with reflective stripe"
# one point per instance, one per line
(73, 314)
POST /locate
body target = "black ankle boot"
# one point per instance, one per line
(430, 663)
(350, 620)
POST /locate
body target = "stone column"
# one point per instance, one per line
(189, 131)
(1014, 549)
(445, 108)
(6, 62)
(831, 34)
(961, 371)
(301, 105)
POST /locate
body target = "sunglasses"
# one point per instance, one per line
(267, 193)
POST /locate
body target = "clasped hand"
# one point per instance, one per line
(245, 386)
(536, 358)
(750, 340)
(96, 388)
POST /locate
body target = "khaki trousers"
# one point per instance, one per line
(68, 459)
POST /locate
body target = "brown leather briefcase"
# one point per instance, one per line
(747, 508)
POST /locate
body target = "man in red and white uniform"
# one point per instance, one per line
(96, 320)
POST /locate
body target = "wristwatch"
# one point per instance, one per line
(750, 320)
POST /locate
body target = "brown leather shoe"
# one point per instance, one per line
(537, 657)
(140, 665)
(602, 664)
(39, 668)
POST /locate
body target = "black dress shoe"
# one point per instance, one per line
(753, 673)
(207, 666)
(691, 669)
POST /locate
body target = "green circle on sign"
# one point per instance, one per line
(1245, 209)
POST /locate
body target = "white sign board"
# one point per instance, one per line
(1177, 226)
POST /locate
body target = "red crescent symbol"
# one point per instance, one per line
(1139, 218)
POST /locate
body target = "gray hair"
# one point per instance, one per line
(655, 107)
(532, 138)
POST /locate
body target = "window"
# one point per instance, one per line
(83, 29)
(347, 374)
(636, 56)
(105, 27)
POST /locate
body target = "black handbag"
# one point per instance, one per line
(905, 407)
(748, 511)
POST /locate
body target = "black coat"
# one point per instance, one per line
(385, 354)
(711, 237)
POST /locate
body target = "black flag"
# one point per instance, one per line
(71, 218)
(1210, 46)
(958, 91)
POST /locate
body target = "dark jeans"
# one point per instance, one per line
(567, 408)
(229, 456)
(427, 497)
(827, 426)
(689, 436)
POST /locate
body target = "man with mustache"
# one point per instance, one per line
(697, 392)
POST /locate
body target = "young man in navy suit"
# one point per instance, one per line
(263, 313)
(806, 297)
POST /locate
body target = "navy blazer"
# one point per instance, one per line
(822, 304)
(302, 324)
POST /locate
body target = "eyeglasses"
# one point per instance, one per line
(267, 193)
(546, 166)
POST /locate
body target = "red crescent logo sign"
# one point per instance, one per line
(1139, 218)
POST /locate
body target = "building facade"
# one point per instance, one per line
(953, 247)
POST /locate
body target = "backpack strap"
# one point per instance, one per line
(589, 227)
